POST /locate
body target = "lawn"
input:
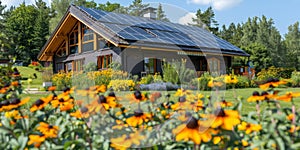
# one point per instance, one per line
(228, 95)
(27, 72)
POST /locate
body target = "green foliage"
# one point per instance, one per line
(90, 67)
(170, 74)
(121, 85)
(47, 74)
(206, 20)
(146, 79)
(295, 79)
(136, 8)
(202, 82)
(161, 14)
(273, 72)
(243, 82)
(292, 43)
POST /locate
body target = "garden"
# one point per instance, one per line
(110, 109)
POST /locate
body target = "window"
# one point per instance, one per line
(104, 61)
(102, 43)
(150, 65)
(214, 65)
(68, 66)
(73, 40)
(88, 39)
(60, 67)
(78, 64)
(61, 50)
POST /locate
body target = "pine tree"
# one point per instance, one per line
(206, 20)
(292, 42)
(137, 7)
(161, 14)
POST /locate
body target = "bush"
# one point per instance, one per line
(62, 79)
(295, 79)
(273, 72)
(146, 79)
(202, 82)
(47, 74)
(243, 82)
(90, 67)
(121, 85)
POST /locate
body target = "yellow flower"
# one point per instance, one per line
(249, 128)
(271, 83)
(230, 79)
(48, 130)
(226, 119)
(37, 140)
(193, 130)
(138, 118)
(127, 141)
(288, 96)
(214, 83)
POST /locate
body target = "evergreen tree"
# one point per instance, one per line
(137, 7)
(292, 42)
(112, 7)
(161, 14)
(59, 7)
(206, 20)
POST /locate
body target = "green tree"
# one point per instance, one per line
(292, 43)
(137, 7)
(206, 20)
(161, 14)
(110, 7)
(20, 29)
(59, 7)
(260, 56)
(41, 26)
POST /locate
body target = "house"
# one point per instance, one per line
(140, 44)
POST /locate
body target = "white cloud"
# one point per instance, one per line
(217, 4)
(187, 19)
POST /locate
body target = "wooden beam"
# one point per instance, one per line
(79, 38)
(95, 41)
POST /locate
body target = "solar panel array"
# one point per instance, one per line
(143, 29)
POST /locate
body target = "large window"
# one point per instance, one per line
(73, 40)
(60, 67)
(150, 65)
(78, 64)
(62, 50)
(104, 61)
(88, 39)
(68, 66)
(214, 65)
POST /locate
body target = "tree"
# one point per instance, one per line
(137, 7)
(161, 14)
(110, 7)
(260, 56)
(59, 7)
(41, 26)
(20, 29)
(206, 20)
(292, 43)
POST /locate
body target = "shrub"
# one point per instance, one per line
(90, 67)
(47, 74)
(202, 82)
(273, 72)
(62, 79)
(121, 85)
(295, 79)
(243, 82)
(146, 79)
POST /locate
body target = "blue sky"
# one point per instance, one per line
(284, 13)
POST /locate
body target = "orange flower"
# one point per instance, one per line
(138, 118)
(39, 104)
(52, 88)
(223, 104)
(48, 130)
(255, 97)
(271, 83)
(137, 97)
(15, 103)
(37, 140)
(66, 107)
(288, 96)
(249, 128)
(290, 117)
(214, 83)
(15, 83)
(183, 92)
(83, 112)
(103, 102)
(127, 141)
(62, 100)
(193, 130)
(226, 119)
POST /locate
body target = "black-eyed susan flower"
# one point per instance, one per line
(48, 130)
(127, 141)
(182, 92)
(14, 114)
(230, 79)
(223, 104)
(119, 125)
(138, 118)
(16, 102)
(294, 128)
(39, 104)
(36, 140)
(214, 83)
(249, 127)
(256, 97)
(83, 112)
(288, 96)
(66, 107)
(290, 117)
(225, 119)
(51, 88)
(62, 100)
(100, 89)
(4, 105)
(103, 102)
(137, 97)
(192, 130)
(271, 83)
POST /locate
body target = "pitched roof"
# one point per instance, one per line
(122, 29)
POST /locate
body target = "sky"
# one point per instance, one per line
(284, 13)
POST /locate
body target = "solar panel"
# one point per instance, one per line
(142, 29)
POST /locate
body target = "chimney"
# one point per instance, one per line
(150, 13)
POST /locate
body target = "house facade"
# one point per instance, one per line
(140, 45)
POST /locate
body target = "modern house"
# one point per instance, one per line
(140, 44)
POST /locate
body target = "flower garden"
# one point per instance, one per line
(115, 112)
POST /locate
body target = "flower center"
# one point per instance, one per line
(102, 99)
(112, 94)
(138, 95)
(255, 93)
(192, 123)
(50, 126)
(39, 102)
(5, 103)
(15, 101)
(138, 113)
(84, 109)
(220, 113)
(182, 99)
(61, 100)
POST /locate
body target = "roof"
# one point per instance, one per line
(122, 29)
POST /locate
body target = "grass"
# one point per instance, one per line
(27, 72)
(228, 95)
